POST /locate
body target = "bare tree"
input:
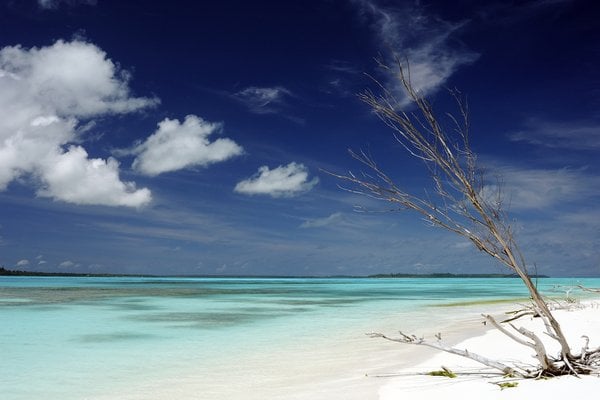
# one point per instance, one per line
(462, 203)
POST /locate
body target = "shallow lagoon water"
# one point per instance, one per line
(76, 338)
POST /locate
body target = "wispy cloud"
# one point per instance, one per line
(284, 181)
(343, 67)
(589, 217)
(545, 189)
(263, 100)
(44, 94)
(563, 243)
(341, 78)
(321, 222)
(424, 40)
(67, 264)
(177, 145)
(53, 4)
(560, 135)
(22, 263)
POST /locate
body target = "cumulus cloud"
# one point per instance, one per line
(44, 95)
(420, 38)
(263, 100)
(176, 146)
(284, 181)
(74, 178)
(23, 263)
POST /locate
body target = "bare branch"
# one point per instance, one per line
(460, 202)
(505, 369)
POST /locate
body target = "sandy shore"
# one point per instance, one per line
(477, 382)
(355, 367)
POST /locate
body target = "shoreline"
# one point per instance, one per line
(313, 346)
(355, 367)
(376, 369)
(475, 381)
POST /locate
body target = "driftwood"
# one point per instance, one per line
(593, 290)
(586, 362)
(412, 339)
(463, 203)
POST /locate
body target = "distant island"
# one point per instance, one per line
(450, 275)
(7, 272)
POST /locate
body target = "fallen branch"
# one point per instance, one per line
(412, 339)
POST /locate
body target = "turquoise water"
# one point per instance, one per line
(76, 338)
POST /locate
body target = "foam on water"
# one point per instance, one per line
(75, 338)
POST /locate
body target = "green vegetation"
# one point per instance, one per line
(506, 385)
(8, 272)
(446, 372)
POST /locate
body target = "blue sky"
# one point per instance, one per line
(190, 137)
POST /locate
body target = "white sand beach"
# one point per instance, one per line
(360, 368)
(475, 382)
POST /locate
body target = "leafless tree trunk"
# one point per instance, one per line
(460, 203)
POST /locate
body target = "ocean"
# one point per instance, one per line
(219, 338)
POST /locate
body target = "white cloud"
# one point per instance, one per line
(321, 222)
(284, 181)
(176, 146)
(421, 39)
(23, 263)
(73, 177)
(574, 136)
(67, 264)
(44, 94)
(263, 100)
